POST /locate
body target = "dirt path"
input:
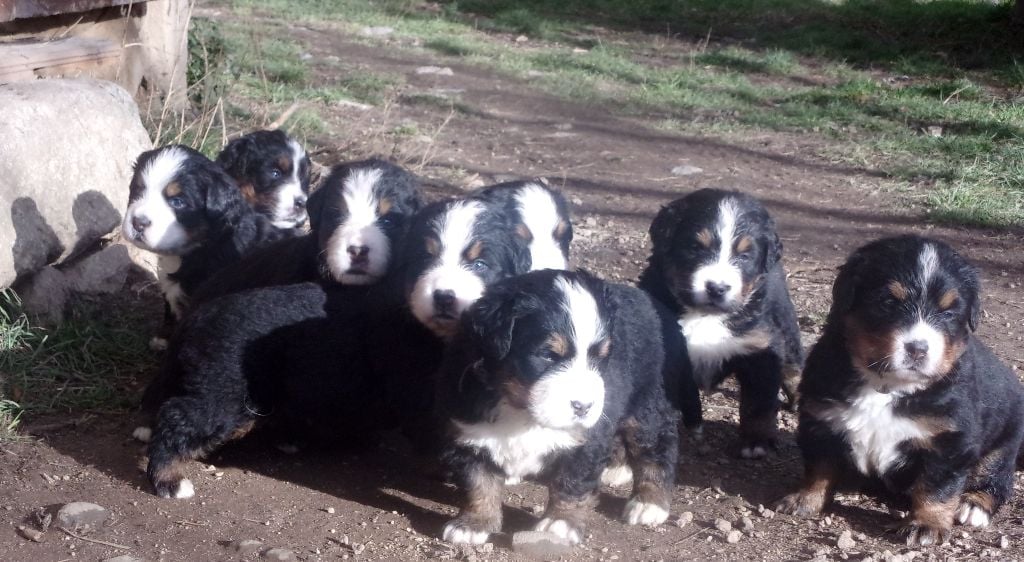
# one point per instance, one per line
(378, 505)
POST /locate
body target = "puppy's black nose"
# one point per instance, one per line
(917, 349)
(356, 252)
(580, 408)
(716, 290)
(300, 202)
(140, 223)
(444, 301)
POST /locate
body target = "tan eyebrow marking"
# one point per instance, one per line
(474, 251)
(948, 299)
(523, 232)
(898, 290)
(173, 189)
(384, 206)
(433, 246)
(558, 344)
(705, 238)
(744, 243)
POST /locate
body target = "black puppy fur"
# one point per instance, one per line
(272, 170)
(716, 263)
(542, 217)
(395, 195)
(205, 221)
(548, 374)
(900, 395)
(315, 362)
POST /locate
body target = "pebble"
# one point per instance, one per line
(122, 558)
(330, 510)
(846, 541)
(377, 31)
(280, 555)
(1004, 542)
(438, 70)
(545, 546)
(723, 525)
(746, 524)
(685, 518)
(733, 537)
(686, 170)
(82, 516)
(522, 39)
(246, 546)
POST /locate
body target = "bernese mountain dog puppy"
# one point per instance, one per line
(716, 263)
(320, 365)
(272, 170)
(357, 219)
(899, 394)
(547, 372)
(543, 217)
(185, 208)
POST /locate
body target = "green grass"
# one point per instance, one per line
(88, 363)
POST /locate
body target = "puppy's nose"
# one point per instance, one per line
(356, 252)
(140, 223)
(580, 408)
(716, 290)
(444, 300)
(300, 202)
(917, 349)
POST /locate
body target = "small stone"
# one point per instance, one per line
(246, 546)
(686, 170)
(122, 558)
(846, 541)
(438, 70)
(486, 548)
(82, 516)
(685, 518)
(330, 510)
(723, 525)
(1004, 542)
(380, 31)
(306, 56)
(934, 131)
(746, 524)
(280, 555)
(766, 513)
(30, 534)
(522, 39)
(541, 545)
(733, 537)
(578, 50)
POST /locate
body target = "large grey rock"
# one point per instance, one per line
(82, 516)
(66, 153)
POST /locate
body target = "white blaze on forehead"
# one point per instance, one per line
(721, 270)
(927, 264)
(454, 229)
(539, 213)
(576, 380)
(163, 233)
(286, 215)
(359, 229)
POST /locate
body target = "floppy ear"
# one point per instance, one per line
(225, 204)
(234, 156)
(772, 247)
(973, 307)
(844, 290)
(492, 319)
(315, 208)
(664, 225)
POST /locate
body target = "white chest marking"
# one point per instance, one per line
(515, 442)
(173, 293)
(710, 343)
(874, 431)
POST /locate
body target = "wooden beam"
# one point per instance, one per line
(21, 60)
(20, 9)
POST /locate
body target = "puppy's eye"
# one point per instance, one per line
(550, 355)
(275, 173)
(479, 265)
(743, 257)
(176, 203)
(386, 220)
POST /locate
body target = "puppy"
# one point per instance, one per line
(898, 393)
(317, 363)
(548, 371)
(543, 220)
(716, 263)
(188, 210)
(357, 217)
(272, 170)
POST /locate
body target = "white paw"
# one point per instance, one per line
(143, 433)
(158, 344)
(185, 490)
(640, 513)
(972, 515)
(755, 452)
(560, 528)
(617, 476)
(512, 480)
(458, 533)
(287, 448)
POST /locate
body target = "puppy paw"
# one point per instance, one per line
(175, 489)
(461, 531)
(561, 528)
(922, 534)
(972, 514)
(617, 476)
(143, 433)
(753, 452)
(800, 504)
(638, 512)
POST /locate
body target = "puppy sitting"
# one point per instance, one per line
(272, 170)
(188, 210)
(321, 365)
(543, 220)
(548, 371)
(717, 264)
(898, 392)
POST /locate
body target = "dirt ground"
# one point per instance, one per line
(381, 505)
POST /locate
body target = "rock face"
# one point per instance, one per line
(82, 516)
(66, 153)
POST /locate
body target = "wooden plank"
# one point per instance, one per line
(20, 9)
(18, 60)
